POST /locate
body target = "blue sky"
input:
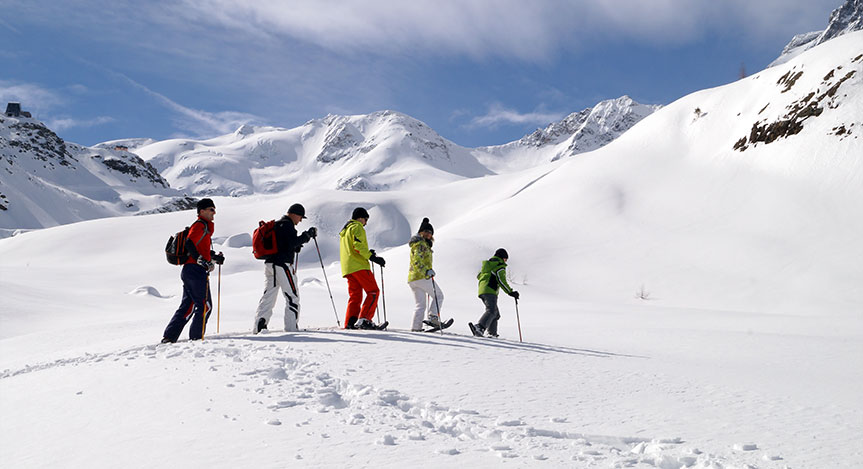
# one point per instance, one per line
(480, 72)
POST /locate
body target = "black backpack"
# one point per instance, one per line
(176, 250)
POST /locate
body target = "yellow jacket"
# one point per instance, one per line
(354, 248)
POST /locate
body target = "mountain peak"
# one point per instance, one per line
(843, 20)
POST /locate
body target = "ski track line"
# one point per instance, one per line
(278, 382)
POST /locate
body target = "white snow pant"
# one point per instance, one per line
(422, 288)
(280, 278)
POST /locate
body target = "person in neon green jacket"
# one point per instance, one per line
(355, 256)
(421, 277)
(492, 277)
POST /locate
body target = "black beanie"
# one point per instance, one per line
(359, 212)
(501, 253)
(298, 209)
(205, 203)
(426, 226)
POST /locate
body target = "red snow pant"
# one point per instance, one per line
(359, 281)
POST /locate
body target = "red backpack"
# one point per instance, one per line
(264, 240)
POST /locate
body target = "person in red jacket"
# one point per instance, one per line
(197, 300)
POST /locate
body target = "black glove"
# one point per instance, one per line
(374, 254)
(514, 294)
(218, 258)
(378, 260)
(207, 265)
(312, 232)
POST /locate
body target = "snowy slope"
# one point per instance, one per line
(579, 132)
(379, 151)
(745, 349)
(45, 181)
(712, 215)
(845, 19)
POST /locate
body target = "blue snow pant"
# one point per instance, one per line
(488, 321)
(197, 301)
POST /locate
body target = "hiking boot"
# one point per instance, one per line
(351, 324)
(261, 325)
(166, 340)
(476, 330)
(365, 324)
(434, 319)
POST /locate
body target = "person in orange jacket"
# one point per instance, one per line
(197, 300)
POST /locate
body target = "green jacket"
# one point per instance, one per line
(421, 258)
(354, 248)
(492, 276)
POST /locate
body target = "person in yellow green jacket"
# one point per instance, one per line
(355, 256)
(492, 277)
(421, 277)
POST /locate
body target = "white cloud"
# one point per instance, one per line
(61, 124)
(531, 31)
(30, 96)
(200, 123)
(500, 115)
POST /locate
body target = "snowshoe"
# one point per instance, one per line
(437, 325)
(477, 331)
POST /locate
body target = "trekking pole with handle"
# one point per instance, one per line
(383, 294)
(328, 282)
(219, 300)
(437, 307)
(518, 319)
(204, 315)
(377, 316)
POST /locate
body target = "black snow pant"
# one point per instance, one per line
(488, 321)
(197, 301)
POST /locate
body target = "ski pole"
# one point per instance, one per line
(518, 319)
(378, 298)
(219, 301)
(383, 294)
(328, 282)
(204, 315)
(437, 307)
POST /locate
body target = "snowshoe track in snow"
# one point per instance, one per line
(288, 384)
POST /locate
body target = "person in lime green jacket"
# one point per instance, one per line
(492, 277)
(421, 277)
(355, 256)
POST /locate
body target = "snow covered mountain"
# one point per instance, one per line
(384, 150)
(579, 132)
(380, 151)
(843, 20)
(686, 301)
(45, 181)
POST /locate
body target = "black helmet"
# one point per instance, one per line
(501, 253)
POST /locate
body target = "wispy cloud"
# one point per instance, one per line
(198, 122)
(31, 95)
(499, 115)
(61, 124)
(531, 31)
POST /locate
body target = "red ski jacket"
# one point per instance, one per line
(199, 235)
